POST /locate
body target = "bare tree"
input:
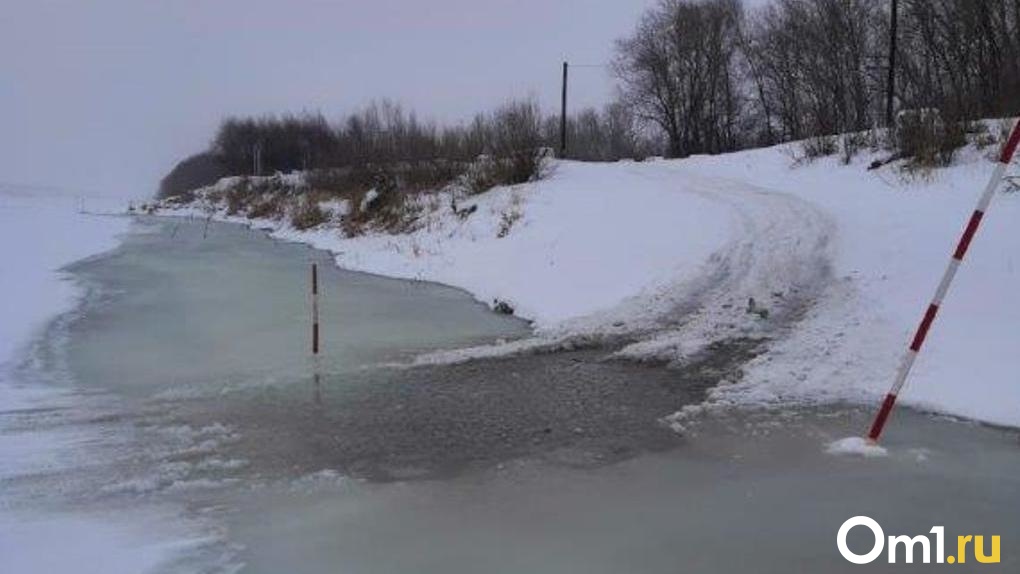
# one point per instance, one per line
(678, 71)
(816, 64)
(961, 56)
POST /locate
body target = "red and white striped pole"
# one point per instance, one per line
(947, 278)
(315, 309)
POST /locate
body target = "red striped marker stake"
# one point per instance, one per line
(315, 309)
(315, 334)
(947, 278)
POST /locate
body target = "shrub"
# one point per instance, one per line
(922, 137)
(344, 182)
(507, 221)
(384, 206)
(517, 143)
(489, 172)
(983, 137)
(308, 215)
(853, 143)
(428, 175)
(238, 196)
(819, 146)
(268, 206)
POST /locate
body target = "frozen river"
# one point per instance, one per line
(181, 308)
(188, 366)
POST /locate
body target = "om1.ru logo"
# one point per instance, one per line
(910, 544)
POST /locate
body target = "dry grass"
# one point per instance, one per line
(926, 141)
(401, 192)
(308, 214)
(268, 206)
(489, 172)
(819, 146)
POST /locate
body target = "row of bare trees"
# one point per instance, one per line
(611, 134)
(712, 77)
(695, 76)
(384, 134)
(962, 56)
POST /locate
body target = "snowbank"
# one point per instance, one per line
(833, 263)
(896, 234)
(571, 246)
(568, 248)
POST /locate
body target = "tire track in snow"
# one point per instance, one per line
(779, 253)
(779, 256)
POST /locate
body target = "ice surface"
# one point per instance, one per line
(41, 232)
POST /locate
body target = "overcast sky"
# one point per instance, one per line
(106, 95)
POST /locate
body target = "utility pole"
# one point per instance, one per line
(891, 81)
(256, 159)
(563, 115)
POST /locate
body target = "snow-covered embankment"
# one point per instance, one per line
(895, 235)
(832, 262)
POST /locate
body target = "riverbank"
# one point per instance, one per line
(239, 366)
(369, 466)
(667, 256)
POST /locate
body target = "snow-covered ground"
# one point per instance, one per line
(42, 232)
(832, 263)
(39, 233)
(895, 236)
(839, 261)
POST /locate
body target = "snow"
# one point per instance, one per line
(856, 446)
(590, 236)
(369, 198)
(40, 232)
(31, 284)
(569, 247)
(840, 263)
(832, 263)
(896, 234)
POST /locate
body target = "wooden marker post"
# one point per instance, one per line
(315, 335)
(315, 309)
